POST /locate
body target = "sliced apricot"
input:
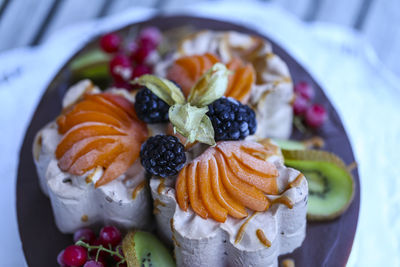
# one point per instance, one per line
(193, 190)
(235, 209)
(212, 205)
(100, 130)
(181, 190)
(242, 80)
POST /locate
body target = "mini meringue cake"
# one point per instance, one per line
(87, 168)
(241, 236)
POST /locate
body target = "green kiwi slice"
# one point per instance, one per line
(143, 249)
(290, 144)
(330, 184)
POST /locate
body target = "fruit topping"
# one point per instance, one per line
(315, 116)
(304, 90)
(140, 70)
(150, 108)
(227, 179)
(163, 155)
(74, 255)
(110, 43)
(231, 119)
(93, 263)
(85, 234)
(109, 236)
(187, 70)
(330, 184)
(300, 105)
(101, 130)
(121, 68)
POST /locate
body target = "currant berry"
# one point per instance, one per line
(60, 259)
(315, 116)
(140, 70)
(121, 68)
(305, 90)
(110, 43)
(93, 263)
(300, 105)
(74, 255)
(110, 235)
(85, 234)
(150, 36)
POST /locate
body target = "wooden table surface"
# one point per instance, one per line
(30, 22)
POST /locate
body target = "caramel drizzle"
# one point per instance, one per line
(296, 181)
(158, 202)
(263, 239)
(161, 186)
(242, 228)
(84, 218)
(137, 189)
(314, 141)
(283, 200)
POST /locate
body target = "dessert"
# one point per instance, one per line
(87, 161)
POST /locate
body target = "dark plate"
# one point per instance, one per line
(326, 243)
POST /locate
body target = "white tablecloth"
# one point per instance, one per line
(365, 94)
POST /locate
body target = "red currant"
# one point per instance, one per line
(93, 253)
(110, 43)
(121, 68)
(315, 116)
(93, 263)
(141, 54)
(140, 70)
(74, 255)
(85, 234)
(304, 89)
(150, 36)
(116, 258)
(60, 259)
(300, 105)
(109, 235)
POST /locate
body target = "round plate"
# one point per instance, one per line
(326, 243)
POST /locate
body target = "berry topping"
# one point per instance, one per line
(150, 108)
(140, 70)
(150, 37)
(74, 255)
(110, 235)
(300, 105)
(315, 116)
(93, 263)
(85, 234)
(163, 155)
(60, 259)
(231, 119)
(304, 89)
(121, 68)
(141, 53)
(110, 43)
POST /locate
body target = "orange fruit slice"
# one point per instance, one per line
(187, 70)
(101, 130)
(227, 179)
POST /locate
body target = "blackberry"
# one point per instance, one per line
(163, 155)
(231, 119)
(150, 108)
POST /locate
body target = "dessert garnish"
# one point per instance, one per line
(163, 155)
(188, 69)
(226, 179)
(100, 130)
(150, 108)
(231, 119)
(189, 116)
(331, 185)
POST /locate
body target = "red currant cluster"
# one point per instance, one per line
(130, 60)
(91, 251)
(314, 114)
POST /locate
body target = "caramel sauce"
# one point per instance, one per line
(242, 228)
(84, 218)
(137, 189)
(156, 210)
(89, 178)
(296, 181)
(270, 55)
(351, 166)
(283, 200)
(161, 186)
(263, 239)
(175, 241)
(171, 224)
(158, 202)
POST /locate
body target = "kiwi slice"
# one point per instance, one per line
(290, 144)
(143, 249)
(330, 184)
